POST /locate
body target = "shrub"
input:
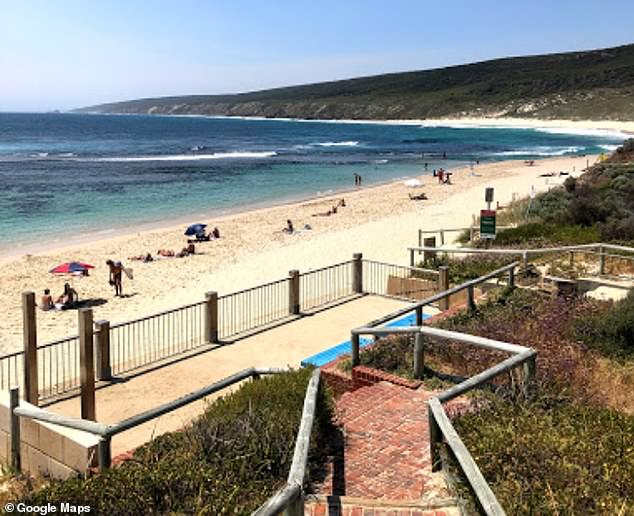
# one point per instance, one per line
(228, 461)
(470, 267)
(611, 331)
(551, 457)
(542, 234)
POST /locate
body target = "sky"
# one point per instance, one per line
(64, 54)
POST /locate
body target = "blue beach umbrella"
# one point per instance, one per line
(195, 229)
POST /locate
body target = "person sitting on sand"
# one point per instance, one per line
(215, 233)
(46, 301)
(342, 203)
(191, 249)
(289, 227)
(168, 253)
(183, 253)
(67, 299)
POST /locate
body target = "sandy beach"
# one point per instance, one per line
(378, 221)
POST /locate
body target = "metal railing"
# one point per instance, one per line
(440, 426)
(11, 370)
(398, 281)
(326, 285)
(139, 342)
(442, 298)
(105, 432)
(290, 497)
(252, 308)
(58, 366)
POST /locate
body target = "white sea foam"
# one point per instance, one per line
(381, 161)
(597, 133)
(609, 148)
(541, 151)
(189, 157)
(336, 144)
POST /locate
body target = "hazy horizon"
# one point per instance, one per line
(67, 55)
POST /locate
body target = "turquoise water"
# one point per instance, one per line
(82, 174)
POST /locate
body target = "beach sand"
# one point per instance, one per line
(381, 222)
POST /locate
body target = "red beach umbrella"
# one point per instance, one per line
(71, 267)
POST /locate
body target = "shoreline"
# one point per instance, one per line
(18, 249)
(623, 128)
(378, 221)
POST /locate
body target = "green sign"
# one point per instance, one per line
(487, 223)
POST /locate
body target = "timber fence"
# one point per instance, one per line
(440, 427)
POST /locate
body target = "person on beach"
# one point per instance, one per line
(46, 301)
(356, 179)
(441, 174)
(215, 233)
(67, 299)
(116, 273)
(289, 227)
(342, 203)
(167, 253)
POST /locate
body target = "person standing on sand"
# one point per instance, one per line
(116, 272)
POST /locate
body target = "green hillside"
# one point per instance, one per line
(593, 85)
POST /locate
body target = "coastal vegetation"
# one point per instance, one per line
(590, 85)
(227, 461)
(569, 451)
(598, 206)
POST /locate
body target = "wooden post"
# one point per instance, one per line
(419, 315)
(102, 350)
(354, 339)
(528, 369)
(211, 316)
(442, 237)
(411, 257)
(14, 401)
(512, 277)
(470, 299)
(86, 365)
(29, 329)
(104, 453)
(420, 240)
(293, 292)
(429, 255)
(601, 260)
(419, 357)
(443, 284)
(525, 263)
(572, 259)
(357, 273)
(435, 440)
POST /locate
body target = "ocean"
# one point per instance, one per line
(84, 175)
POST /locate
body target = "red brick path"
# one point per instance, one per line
(386, 453)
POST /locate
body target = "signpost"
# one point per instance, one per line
(487, 224)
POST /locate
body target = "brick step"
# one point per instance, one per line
(349, 506)
(386, 446)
